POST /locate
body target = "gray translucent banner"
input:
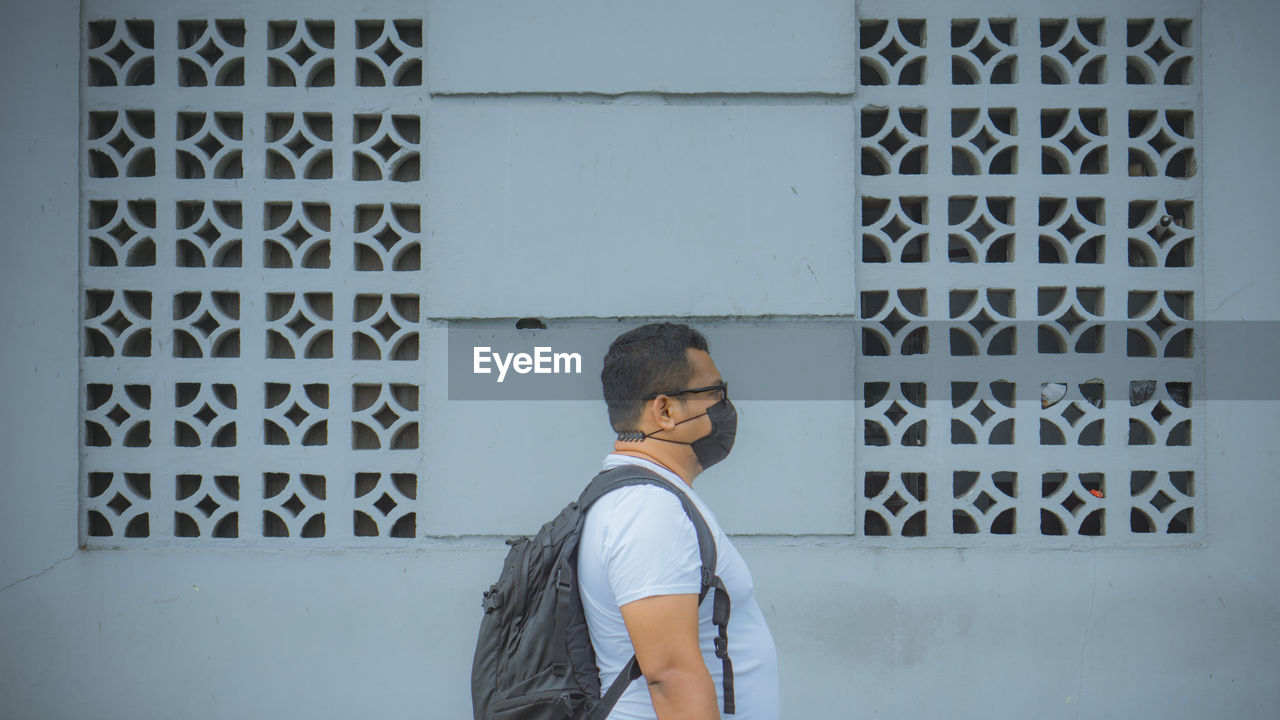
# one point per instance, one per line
(841, 358)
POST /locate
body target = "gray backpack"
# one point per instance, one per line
(533, 658)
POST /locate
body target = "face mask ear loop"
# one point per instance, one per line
(637, 436)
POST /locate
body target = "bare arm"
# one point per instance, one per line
(664, 631)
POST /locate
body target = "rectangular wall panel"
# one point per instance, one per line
(598, 207)
(506, 46)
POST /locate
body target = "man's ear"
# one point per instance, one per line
(659, 410)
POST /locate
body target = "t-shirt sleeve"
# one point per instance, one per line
(650, 546)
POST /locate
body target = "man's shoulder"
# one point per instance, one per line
(640, 537)
(641, 515)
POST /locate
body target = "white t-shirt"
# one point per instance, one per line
(638, 542)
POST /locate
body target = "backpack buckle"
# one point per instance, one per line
(722, 647)
(492, 599)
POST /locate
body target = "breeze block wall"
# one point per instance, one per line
(1023, 466)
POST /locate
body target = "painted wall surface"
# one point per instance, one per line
(862, 630)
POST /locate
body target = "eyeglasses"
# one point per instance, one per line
(720, 387)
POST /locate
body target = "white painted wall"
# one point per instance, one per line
(1171, 632)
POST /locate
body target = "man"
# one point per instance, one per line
(638, 562)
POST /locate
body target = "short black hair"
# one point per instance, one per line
(649, 359)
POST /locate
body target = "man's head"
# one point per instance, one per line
(642, 362)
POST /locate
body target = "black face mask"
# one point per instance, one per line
(716, 445)
(710, 448)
